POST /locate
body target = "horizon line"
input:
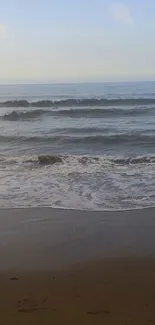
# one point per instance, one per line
(74, 82)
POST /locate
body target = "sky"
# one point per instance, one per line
(76, 40)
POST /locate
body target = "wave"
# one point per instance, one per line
(135, 160)
(19, 115)
(50, 160)
(15, 139)
(76, 113)
(43, 160)
(102, 139)
(80, 102)
(134, 139)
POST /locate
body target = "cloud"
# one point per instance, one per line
(121, 12)
(3, 31)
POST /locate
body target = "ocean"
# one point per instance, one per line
(78, 146)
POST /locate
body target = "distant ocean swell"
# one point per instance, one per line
(80, 102)
(77, 113)
(44, 160)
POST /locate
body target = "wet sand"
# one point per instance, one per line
(71, 267)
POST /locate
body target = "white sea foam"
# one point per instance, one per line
(79, 182)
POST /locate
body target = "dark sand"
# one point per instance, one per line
(70, 267)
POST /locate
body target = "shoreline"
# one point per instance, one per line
(78, 210)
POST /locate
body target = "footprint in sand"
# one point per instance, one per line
(97, 312)
(27, 306)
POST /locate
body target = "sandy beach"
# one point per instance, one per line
(72, 267)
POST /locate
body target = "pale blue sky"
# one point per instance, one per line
(76, 40)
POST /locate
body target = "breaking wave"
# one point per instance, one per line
(76, 113)
(44, 160)
(80, 102)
